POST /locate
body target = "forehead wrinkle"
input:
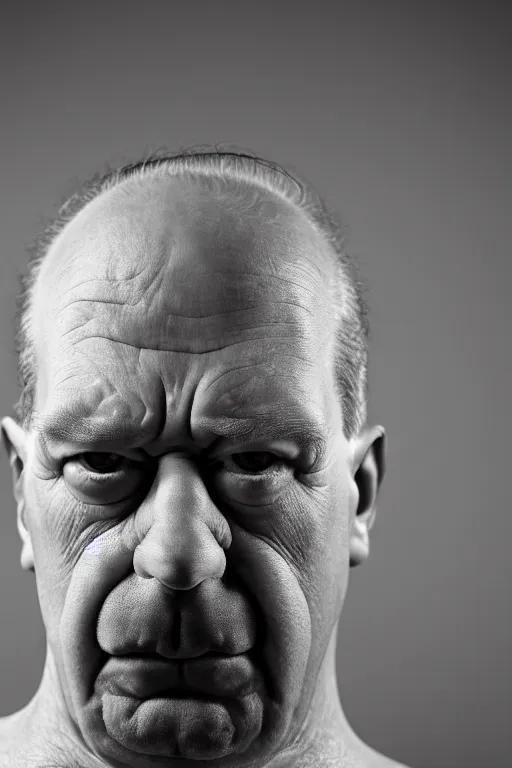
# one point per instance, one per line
(187, 291)
(94, 394)
(118, 232)
(173, 263)
(229, 308)
(76, 422)
(280, 395)
(219, 309)
(271, 352)
(281, 296)
(213, 292)
(190, 337)
(187, 404)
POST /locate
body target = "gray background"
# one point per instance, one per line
(400, 114)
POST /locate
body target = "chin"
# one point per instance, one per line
(192, 728)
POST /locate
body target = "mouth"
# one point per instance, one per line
(150, 675)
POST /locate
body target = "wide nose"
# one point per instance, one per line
(182, 535)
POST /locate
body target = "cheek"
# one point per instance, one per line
(320, 536)
(59, 531)
(309, 528)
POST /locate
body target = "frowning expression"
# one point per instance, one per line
(188, 487)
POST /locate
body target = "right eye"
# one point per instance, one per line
(103, 463)
(102, 478)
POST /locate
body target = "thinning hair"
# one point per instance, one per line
(349, 305)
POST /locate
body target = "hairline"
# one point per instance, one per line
(194, 164)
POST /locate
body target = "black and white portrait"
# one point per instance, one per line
(255, 378)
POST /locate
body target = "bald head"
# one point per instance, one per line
(199, 242)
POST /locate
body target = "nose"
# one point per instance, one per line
(182, 535)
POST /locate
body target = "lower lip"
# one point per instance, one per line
(141, 678)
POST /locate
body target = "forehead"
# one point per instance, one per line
(174, 225)
(201, 280)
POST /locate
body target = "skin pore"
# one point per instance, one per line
(186, 494)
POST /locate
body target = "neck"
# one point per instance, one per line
(326, 739)
(43, 731)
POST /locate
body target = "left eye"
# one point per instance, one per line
(253, 462)
(251, 478)
(102, 463)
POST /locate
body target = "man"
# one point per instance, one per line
(192, 471)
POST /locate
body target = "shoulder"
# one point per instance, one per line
(7, 728)
(380, 761)
(370, 758)
(17, 749)
(10, 741)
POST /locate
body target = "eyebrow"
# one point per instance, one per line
(74, 426)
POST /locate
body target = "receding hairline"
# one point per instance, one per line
(220, 168)
(106, 216)
(235, 196)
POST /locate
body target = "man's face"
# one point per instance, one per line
(188, 490)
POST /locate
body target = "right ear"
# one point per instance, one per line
(15, 441)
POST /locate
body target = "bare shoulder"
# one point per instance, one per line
(10, 739)
(7, 731)
(17, 749)
(374, 759)
(380, 761)
(348, 758)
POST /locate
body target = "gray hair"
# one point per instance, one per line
(350, 308)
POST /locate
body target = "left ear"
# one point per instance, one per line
(369, 467)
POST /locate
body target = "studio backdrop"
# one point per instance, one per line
(400, 115)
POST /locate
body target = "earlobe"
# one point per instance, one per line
(369, 468)
(15, 438)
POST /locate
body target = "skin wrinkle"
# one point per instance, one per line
(237, 275)
(269, 324)
(231, 282)
(195, 316)
(243, 367)
(148, 409)
(181, 351)
(131, 389)
(92, 363)
(92, 301)
(179, 314)
(265, 540)
(141, 419)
